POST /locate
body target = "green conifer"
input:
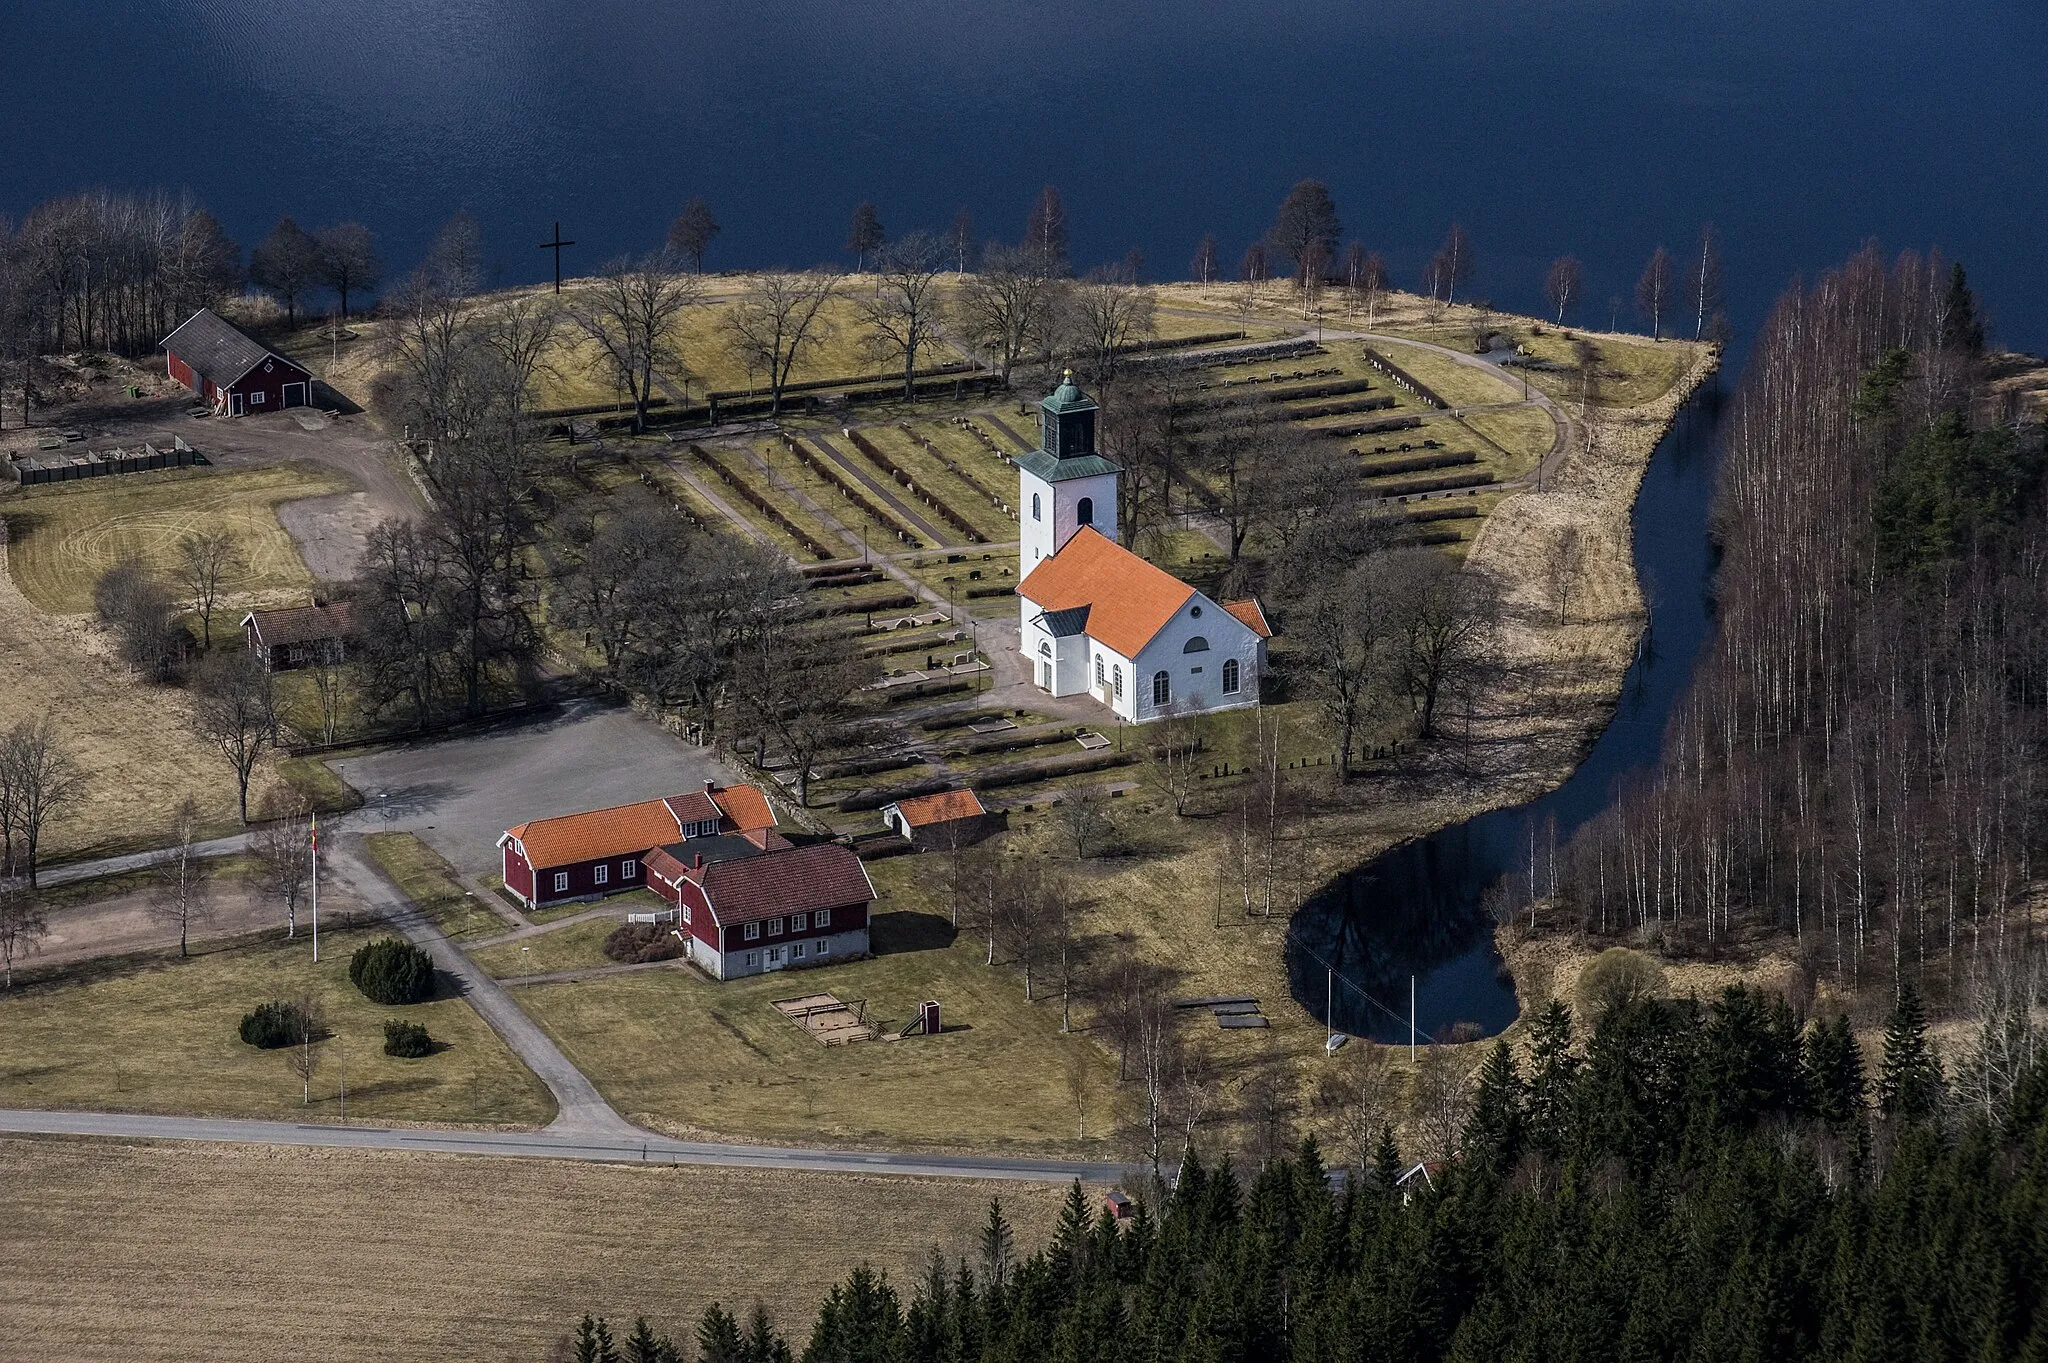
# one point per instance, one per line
(718, 1337)
(1909, 1081)
(1493, 1133)
(1553, 1078)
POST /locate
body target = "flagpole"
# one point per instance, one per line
(316, 887)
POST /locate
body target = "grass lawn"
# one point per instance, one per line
(320, 784)
(65, 535)
(679, 1051)
(1458, 384)
(1526, 433)
(430, 882)
(158, 1034)
(119, 1252)
(579, 946)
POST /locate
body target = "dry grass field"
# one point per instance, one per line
(678, 1052)
(152, 1033)
(111, 1251)
(430, 882)
(578, 946)
(65, 535)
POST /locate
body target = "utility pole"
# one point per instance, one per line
(1411, 1019)
(316, 888)
(556, 245)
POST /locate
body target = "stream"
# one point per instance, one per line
(1415, 917)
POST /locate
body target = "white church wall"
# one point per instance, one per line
(1197, 678)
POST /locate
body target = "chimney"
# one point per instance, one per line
(697, 862)
(709, 785)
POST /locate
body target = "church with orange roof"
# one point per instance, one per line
(1096, 619)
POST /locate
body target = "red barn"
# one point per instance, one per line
(747, 910)
(222, 364)
(590, 855)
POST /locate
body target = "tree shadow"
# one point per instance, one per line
(893, 933)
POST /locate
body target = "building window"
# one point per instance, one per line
(824, 948)
(1162, 689)
(629, 869)
(823, 918)
(796, 951)
(1034, 507)
(1099, 677)
(683, 910)
(753, 959)
(1045, 647)
(1116, 677)
(1194, 612)
(1195, 645)
(601, 873)
(256, 398)
(775, 927)
(751, 931)
(1084, 511)
(561, 881)
(797, 922)
(1230, 676)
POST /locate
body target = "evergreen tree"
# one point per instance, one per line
(644, 1346)
(1070, 1232)
(763, 1344)
(594, 1341)
(1553, 1078)
(998, 1246)
(1961, 328)
(858, 1322)
(1494, 1132)
(1386, 1160)
(718, 1337)
(1833, 1064)
(1909, 1080)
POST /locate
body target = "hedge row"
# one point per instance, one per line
(1417, 463)
(828, 469)
(896, 601)
(753, 498)
(902, 476)
(953, 466)
(1434, 485)
(1380, 427)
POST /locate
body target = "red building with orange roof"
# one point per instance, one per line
(599, 852)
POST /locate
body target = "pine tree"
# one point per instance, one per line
(1834, 1073)
(1909, 1081)
(998, 1246)
(1070, 1233)
(644, 1346)
(718, 1337)
(1554, 1076)
(594, 1341)
(1386, 1160)
(1961, 328)
(763, 1345)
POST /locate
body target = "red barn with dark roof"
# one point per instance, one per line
(596, 853)
(231, 370)
(747, 910)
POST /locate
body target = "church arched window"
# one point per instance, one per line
(1195, 645)
(1162, 689)
(1084, 511)
(1034, 506)
(1230, 676)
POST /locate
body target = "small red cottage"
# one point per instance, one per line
(746, 910)
(949, 819)
(300, 636)
(222, 364)
(590, 855)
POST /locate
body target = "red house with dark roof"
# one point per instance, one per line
(231, 369)
(746, 910)
(596, 853)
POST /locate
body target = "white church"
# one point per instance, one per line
(1097, 619)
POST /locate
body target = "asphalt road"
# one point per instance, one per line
(549, 1144)
(459, 794)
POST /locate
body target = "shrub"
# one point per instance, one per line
(1613, 975)
(635, 943)
(407, 1040)
(392, 970)
(273, 1025)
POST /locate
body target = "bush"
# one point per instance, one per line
(407, 1040)
(273, 1025)
(1613, 975)
(635, 943)
(392, 970)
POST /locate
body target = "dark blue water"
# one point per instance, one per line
(1418, 913)
(1601, 127)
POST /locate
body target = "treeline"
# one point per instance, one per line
(1858, 762)
(1685, 1183)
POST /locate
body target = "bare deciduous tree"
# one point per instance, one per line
(135, 604)
(866, 236)
(962, 239)
(1082, 816)
(689, 236)
(1305, 230)
(234, 708)
(207, 559)
(1176, 743)
(1362, 1096)
(1564, 561)
(901, 312)
(22, 926)
(1004, 306)
(287, 262)
(1653, 291)
(456, 259)
(1705, 284)
(284, 850)
(777, 321)
(1108, 314)
(309, 1024)
(1562, 286)
(1207, 263)
(44, 780)
(1446, 617)
(1456, 262)
(348, 261)
(1045, 233)
(634, 311)
(181, 892)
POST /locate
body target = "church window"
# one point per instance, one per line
(1230, 676)
(1162, 689)
(1116, 679)
(1194, 612)
(1084, 511)
(1099, 678)
(1195, 645)
(1034, 507)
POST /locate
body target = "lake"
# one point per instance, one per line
(1799, 127)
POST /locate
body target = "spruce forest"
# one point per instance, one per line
(1688, 1183)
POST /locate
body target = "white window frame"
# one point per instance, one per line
(256, 397)
(750, 932)
(629, 869)
(775, 927)
(601, 874)
(1230, 676)
(822, 918)
(1034, 508)
(1162, 681)
(824, 948)
(753, 959)
(1100, 675)
(561, 882)
(796, 951)
(797, 922)
(1116, 673)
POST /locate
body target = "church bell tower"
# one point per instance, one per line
(1064, 484)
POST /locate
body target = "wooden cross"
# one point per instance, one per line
(556, 246)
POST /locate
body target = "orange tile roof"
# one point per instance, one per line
(922, 810)
(1130, 601)
(1251, 615)
(634, 828)
(613, 832)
